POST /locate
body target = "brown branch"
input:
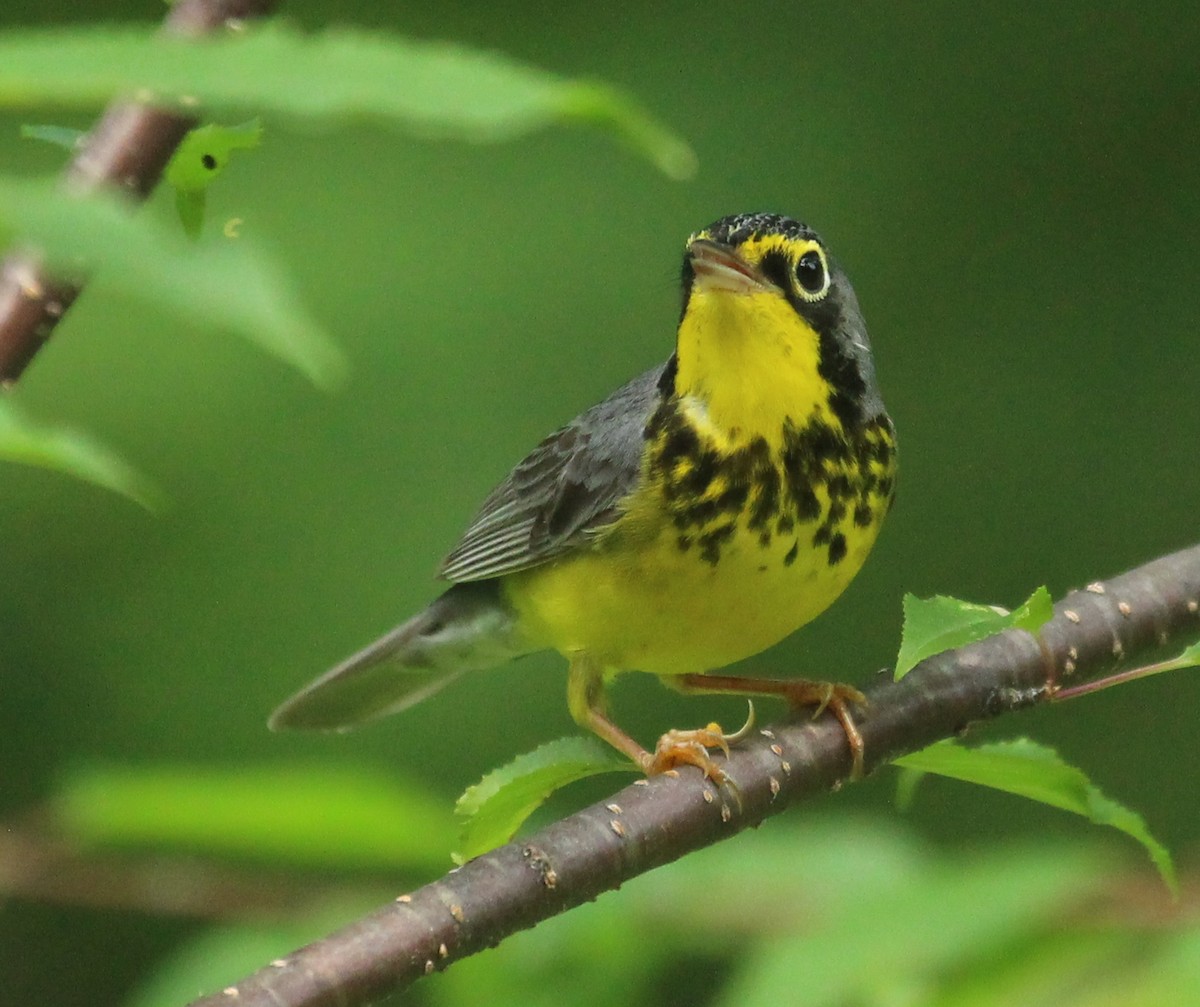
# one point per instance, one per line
(127, 149)
(655, 821)
(38, 865)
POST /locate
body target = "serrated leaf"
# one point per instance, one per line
(432, 88)
(1034, 612)
(934, 625)
(1027, 769)
(73, 453)
(59, 136)
(495, 807)
(306, 815)
(226, 284)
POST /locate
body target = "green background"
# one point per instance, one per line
(1011, 187)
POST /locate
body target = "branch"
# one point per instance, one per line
(658, 820)
(127, 149)
(37, 865)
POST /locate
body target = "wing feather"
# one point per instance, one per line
(567, 487)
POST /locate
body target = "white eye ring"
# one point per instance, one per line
(812, 274)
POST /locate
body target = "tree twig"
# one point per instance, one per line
(1130, 618)
(36, 864)
(127, 149)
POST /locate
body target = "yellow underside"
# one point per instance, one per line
(638, 603)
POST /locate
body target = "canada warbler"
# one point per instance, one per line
(698, 515)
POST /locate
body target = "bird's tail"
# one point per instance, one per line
(468, 628)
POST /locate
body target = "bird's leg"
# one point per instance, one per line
(585, 699)
(834, 696)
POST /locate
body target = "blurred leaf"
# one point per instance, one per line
(59, 136)
(892, 944)
(222, 955)
(933, 625)
(190, 204)
(906, 788)
(1170, 976)
(1028, 769)
(1060, 965)
(433, 88)
(607, 956)
(205, 152)
(307, 816)
(224, 283)
(73, 453)
(1112, 965)
(495, 807)
(785, 876)
(199, 160)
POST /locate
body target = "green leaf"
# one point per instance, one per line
(430, 88)
(1190, 658)
(211, 957)
(495, 807)
(59, 136)
(309, 816)
(894, 942)
(199, 161)
(205, 152)
(74, 453)
(934, 625)
(222, 283)
(1074, 962)
(1027, 769)
(906, 788)
(1034, 612)
(190, 204)
(1170, 976)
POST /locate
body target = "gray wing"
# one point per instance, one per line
(569, 485)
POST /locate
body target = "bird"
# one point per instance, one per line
(698, 515)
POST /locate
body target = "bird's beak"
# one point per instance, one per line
(719, 267)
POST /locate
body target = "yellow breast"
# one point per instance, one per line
(721, 552)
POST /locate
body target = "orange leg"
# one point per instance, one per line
(799, 692)
(585, 699)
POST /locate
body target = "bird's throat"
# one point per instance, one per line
(746, 362)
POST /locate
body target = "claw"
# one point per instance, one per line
(742, 732)
(691, 748)
(823, 696)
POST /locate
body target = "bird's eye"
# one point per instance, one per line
(810, 273)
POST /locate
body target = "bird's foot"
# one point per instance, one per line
(837, 698)
(691, 748)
